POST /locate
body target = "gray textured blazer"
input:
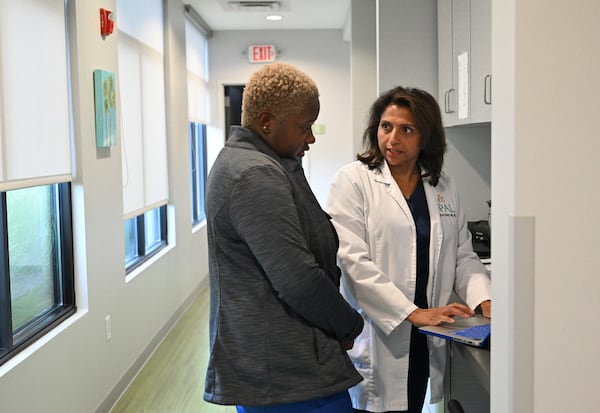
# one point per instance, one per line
(277, 319)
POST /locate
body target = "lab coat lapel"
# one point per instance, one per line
(385, 176)
(435, 244)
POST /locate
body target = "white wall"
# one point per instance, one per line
(325, 57)
(408, 44)
(363, 35)
(468, 161)
(407, 56)
(545, 148)
(348, 74)
(73, 369)
(545, 155)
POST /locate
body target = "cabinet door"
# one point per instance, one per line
(464, 59)
(453, 61)
(445, 73)
(461, 60)
(481, 60)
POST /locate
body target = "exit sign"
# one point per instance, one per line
(261, 53)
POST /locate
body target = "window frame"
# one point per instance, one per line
(143, 251)
(13, 342)
(198, 170)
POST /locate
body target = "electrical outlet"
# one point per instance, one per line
(107, 328)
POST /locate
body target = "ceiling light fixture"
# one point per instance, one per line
(267, 5)
(274, 17)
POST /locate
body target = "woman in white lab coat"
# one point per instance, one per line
(404, 248)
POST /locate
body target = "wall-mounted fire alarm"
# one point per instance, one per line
(107, 24)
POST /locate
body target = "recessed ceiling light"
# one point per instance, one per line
(274, 17)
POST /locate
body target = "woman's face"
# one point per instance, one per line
(398, 138)
(292, 134)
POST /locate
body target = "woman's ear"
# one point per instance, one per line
(265, 120)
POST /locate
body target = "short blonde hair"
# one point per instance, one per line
(279, 88)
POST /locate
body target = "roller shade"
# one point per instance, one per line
(142, 95)
(197, 69)
(35, 143)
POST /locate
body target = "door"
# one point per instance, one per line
(233, 106)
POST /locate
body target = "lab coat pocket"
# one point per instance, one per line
(361, 351)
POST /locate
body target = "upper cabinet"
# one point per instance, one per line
(464, 59)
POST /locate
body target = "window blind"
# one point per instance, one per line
(197, 69)
(35, 143)
(142, 93)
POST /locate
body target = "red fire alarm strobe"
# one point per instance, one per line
(107, 24)
(261, 53)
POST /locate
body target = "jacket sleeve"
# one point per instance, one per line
(370, 287)
(263, 212)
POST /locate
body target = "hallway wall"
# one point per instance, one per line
(545, 146)
(325, 57)
(73, 369)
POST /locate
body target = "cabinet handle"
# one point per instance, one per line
(446, 101)
(487, 91)
(448, 110)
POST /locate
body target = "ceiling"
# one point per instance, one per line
(297, 14)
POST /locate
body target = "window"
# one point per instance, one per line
(197, 79)
(144, 133)
(36, 274)
(36, 241)
(198, 162)
(196, 53)
(145, 235)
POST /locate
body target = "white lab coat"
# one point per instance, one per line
(377, 255)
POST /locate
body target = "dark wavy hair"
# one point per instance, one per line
(428, 119)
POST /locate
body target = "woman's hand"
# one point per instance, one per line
(434, 316)
(486, 308)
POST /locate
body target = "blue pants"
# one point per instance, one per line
(337, 403)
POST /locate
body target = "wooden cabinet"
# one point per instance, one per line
(464, 59)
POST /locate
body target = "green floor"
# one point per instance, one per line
(173, 379)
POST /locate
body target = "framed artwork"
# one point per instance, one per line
(105, 102)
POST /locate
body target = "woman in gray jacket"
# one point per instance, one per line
(279, 327)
